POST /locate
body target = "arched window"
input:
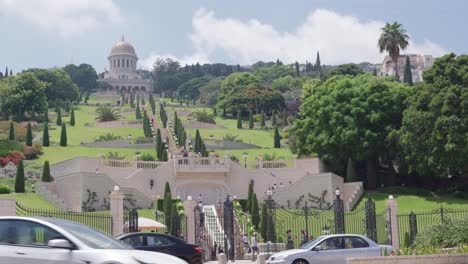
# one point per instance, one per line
(114, 63)
(128, 63)
(118, 63)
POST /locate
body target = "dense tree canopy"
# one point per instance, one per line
(434, 135)
(21, 93)
(59, 85)
(288, 83)
(191, 89)
(83, 75)
(345, 69)
(266, 75)
(349, 117)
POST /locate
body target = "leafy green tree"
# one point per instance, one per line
(83, 75)
(59, 85)
(19, 179)
(63, 136)
(59, 117)
(11, 134)
(408, 75)
(72, 118)
(45, 136)
(191, 89)
(277, 139)
(255, 212)
(22, 93)
(266, 75)
(354, 118)
(287, 83)
(239, 120)
(250, 196)
(46, 177)
(393, 38)
(262, 120)
(433, 136)
(351, 171)
(233, 88)
(29, 137)
(251, 121)
(345, 69)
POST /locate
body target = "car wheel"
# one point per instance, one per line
(300, 261)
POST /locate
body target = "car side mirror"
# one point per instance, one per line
(318, 248)
(60, 243)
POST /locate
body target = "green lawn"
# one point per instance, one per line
(30, 200)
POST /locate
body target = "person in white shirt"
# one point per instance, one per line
(254, 246)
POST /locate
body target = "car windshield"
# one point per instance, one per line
(90, 237)
(311, 243)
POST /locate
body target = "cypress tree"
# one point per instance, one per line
(72, 118)
(142, 100)
(33, 114)
(63, 136)
(45, 136)
(164, 155)
(59, 117)
(29, 135)
(285, 118)
(374, 71)
(273, 118)
(296, 67)
(11, 135)
(262, 121)
(318, 66)
(6, 72)
(159, 146)
(277, 139)
(19, 179)
(264, 222)
(255, 212)
(168, 209)
(46, 116)
(250, 196)
(203, 151)
(137, 112)
(224, 112)
(46, 172)
(196, 147)
(251, 121)
(239, 121)
(408, 76)
(132, 101)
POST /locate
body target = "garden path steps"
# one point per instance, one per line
(213, 224)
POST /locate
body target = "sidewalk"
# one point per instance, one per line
(237, 261)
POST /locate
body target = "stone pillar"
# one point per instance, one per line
(261, 258)
(7, 206)
(392, 207)
(189, 207)
(222, 259)
(117, 211)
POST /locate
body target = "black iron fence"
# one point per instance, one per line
(410, 224)
(99, 220)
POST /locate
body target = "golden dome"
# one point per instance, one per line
(122, 47)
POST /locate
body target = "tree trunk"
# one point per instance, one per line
(351, 171)
(371, 172)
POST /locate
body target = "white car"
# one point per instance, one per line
(331, 249)
(30, 240)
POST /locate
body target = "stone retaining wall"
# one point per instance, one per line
(423, 259)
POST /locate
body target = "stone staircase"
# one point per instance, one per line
(43, 189)
(354, 191)
(212, 223)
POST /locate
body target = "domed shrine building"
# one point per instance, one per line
(122, 75)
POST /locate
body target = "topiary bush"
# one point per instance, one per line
(4, 189)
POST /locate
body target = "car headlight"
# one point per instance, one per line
(278, 257)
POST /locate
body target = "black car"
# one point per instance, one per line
(164, 244)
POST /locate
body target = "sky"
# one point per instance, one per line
(53, 33)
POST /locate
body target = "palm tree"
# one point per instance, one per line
(104, 114)
(392, 39)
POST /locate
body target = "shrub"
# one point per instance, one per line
(33, 152)
(107, 137)
(14, 156)
(460, 195)
(147, 157)
(234, 158)
(231, 138)
(451, 233)
(114, 155)
(6, 146)
(104, 114)
(46, 177)
(19, 131)
(204, 116)
(4, 190)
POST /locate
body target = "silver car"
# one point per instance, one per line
(331, 249)
(28, 240)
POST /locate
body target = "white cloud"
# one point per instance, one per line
(339, 38)
(68, 17)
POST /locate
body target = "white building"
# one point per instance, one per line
(419, 63)
(122, 74)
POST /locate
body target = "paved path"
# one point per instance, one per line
(237, 261)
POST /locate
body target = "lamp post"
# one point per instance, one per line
(339, 213)
(245, 160)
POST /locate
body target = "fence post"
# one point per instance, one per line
(306, 214)
(392, 207)
(338, 208)
(371, 222)
(117, 211)
(413, 226)
(442, 214)
(7, 206)
(189, 207)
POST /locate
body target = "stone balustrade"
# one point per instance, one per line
(201, 163)
(137, 164)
